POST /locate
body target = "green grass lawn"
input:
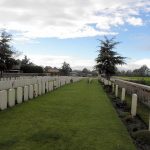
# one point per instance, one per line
(74, 117)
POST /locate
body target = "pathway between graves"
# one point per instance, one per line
(78, 116)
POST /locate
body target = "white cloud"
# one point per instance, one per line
(135, 21)
(135, 64)
(69, 19)
(57, 60)
(80, 63)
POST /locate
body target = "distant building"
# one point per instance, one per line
(52, 71)
(74, 73)
(15, 68)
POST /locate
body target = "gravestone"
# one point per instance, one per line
(19, 95)
(26, 93)
(113, 87)
(116, 91)
(3, 99)
(11, 97)
(123, 94)
(43, 87)
(50, 86)
(30, 91)
(35, 93)
(109, 83)
(46, 86)
(134, 105)
(39, 89)
(149, 123)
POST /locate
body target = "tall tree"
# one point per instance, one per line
(6, 52)
(107, 58)
(85, 72)
(141, 71)
(65, 69)
(25, 61)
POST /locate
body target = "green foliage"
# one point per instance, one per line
(65, 69)
(78, 116)
(6, 52)
(107, 58)
(123, 114)
(31, 69)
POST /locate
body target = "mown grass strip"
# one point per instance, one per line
(74, 117)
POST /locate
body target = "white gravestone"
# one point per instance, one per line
(50, 86)
(39, 89)
(116, 91)
(54, 84)
(19, 95)
(113, 87)
(134, 105)
(30, 91)
(109, 82)
(46, 86)
(123, 94)
(35, 92)
(26, 93)
(3, 99)
(11, 97)
(149, 122)
(43, 87)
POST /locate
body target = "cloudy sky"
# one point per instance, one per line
(52, 31)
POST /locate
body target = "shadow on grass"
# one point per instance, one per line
(7, 144)
(46, 136)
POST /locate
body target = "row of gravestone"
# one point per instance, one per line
(134, 101)
(12, 96)
(23, 81)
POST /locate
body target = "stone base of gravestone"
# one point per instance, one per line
(19, 94)
(3, 99)
(11, 97)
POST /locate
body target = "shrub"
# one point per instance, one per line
(142, 136)
(123, 114)
(31, 69)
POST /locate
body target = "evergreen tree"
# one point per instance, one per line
(66, 69)
(107, 58)
(6, 52)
